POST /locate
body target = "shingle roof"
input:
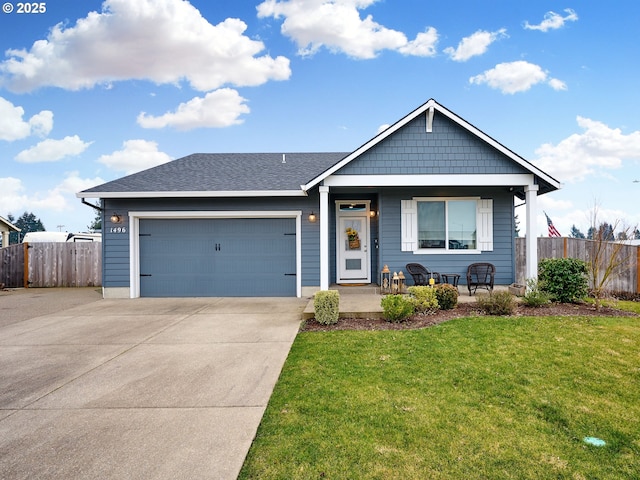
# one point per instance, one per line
(219, 172)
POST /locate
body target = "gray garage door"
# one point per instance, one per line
(218, 257)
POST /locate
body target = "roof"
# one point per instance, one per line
(275, 174)
(223, 174)
(6, 225)
(547, 183)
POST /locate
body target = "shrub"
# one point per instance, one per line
(497, 303)
(565, 279)
(326, 304)
(534, 296)
(447, 296)
(424, 299)
(396, 308)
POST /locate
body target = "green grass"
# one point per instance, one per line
(478, 398)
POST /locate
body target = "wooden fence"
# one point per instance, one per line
(627, 280)
(51, 265)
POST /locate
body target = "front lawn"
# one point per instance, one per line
(484, 397)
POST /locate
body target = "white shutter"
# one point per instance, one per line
(485, 224)
(409, 225)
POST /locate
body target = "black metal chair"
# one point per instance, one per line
(480, 275)
(421, 275)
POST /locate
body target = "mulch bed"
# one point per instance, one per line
(464, 310)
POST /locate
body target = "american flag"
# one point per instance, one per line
(552, 230)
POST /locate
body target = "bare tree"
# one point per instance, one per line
(607, 259)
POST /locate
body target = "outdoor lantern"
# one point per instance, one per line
(312, 217)
(395, 283)
(402, 283)
(115, 218)
(385, 280)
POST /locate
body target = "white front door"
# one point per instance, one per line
(352, 242)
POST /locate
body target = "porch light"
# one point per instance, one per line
(372, 213)
(312, 218)
(385, 280)
(115, 218)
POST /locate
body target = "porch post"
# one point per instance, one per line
(531, 260)
(324, 237)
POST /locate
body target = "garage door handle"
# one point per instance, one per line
(290, 274)
(145, 274)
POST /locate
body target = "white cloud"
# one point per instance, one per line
(14, 127)
(221, 108)
(135, 155)
(58, 199)
(553, 21)
(516, 77)
(337, 25)
(557, 84)
(164, 41)
(599, 148)
(50, 150)
(474, 45)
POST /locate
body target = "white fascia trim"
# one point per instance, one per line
(428, 107)
(195, 194)
(134, 236)
(512, 180)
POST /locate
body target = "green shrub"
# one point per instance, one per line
(497, 303)
(565, 279)
(424, 299)
(534, 296)
(326, 304)
(396, 308)
(447, 296)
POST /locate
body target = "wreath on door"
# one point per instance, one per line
(354, 239)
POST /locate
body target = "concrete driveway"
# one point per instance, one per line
(138, 389)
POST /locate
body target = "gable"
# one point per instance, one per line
(448, 149)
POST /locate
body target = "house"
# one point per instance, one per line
(6, 227)
(431, 189)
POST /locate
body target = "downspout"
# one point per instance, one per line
(95, 207)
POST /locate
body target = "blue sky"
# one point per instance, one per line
(93, 90)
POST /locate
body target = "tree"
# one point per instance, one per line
(517, 226)
(606, 257)
(26, 223)
(575, 233)
(96, 224)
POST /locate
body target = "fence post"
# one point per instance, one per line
(638, 270)
(25, 274)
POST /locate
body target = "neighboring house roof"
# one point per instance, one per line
(224, 174)
(276, 174)
(7, 226)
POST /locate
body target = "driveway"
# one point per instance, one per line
(138, 389)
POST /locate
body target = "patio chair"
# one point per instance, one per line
(421, 275)
(480, 275)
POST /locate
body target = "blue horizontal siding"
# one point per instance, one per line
(503, 236)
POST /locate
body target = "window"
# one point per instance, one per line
(451, 225)
(448, 224)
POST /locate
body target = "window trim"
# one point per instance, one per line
(409, 226)
(446, 249)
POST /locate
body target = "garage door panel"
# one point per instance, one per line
(217, 257)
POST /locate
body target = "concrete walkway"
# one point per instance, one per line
(138, 389)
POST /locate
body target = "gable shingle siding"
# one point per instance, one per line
(448, 150)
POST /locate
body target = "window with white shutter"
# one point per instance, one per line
(446, 225)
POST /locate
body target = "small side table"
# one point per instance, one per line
(451, 278)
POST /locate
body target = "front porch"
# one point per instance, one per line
(363, 301)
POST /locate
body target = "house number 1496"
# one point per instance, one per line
(118, 230)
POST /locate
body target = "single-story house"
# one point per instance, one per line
(6, 227)
(430, 189)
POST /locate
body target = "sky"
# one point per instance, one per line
(93, 90)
